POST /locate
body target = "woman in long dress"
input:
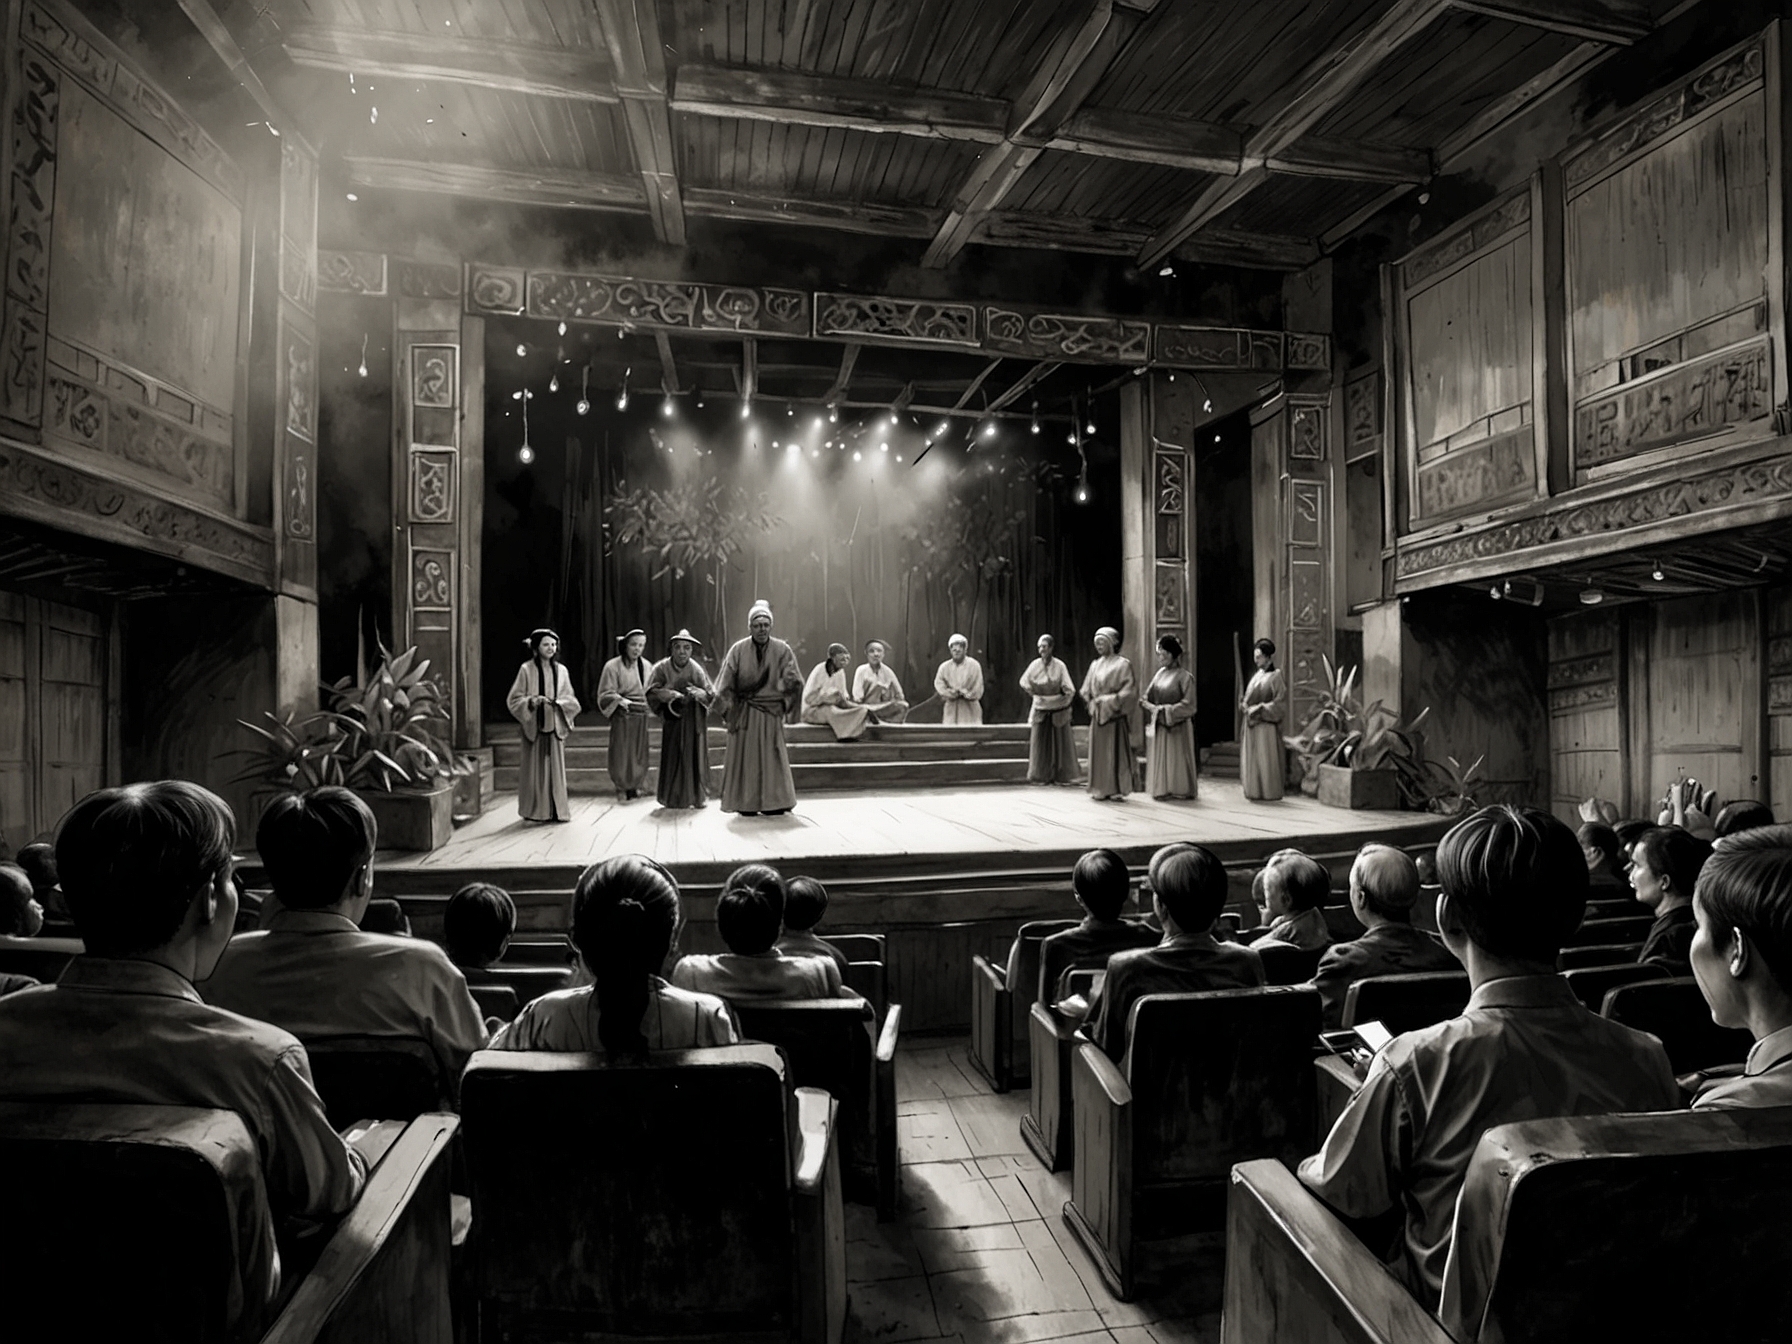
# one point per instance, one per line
(1051, 746)
(679, 692)
(622, 699)
(542, 703)
(1170, 725)
(1111, 691)
(826, 700)
(1265, 704)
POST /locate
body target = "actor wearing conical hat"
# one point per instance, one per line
(875, 686)
(680, 692)
(622, 699)
(542, 703)
(959, 684)
(757, 686)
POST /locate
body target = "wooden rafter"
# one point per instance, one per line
(1025, 384)
(849, 357)
(222, 41)
(632, 33)
(668, 365)
(746, 379)
(976, 383)
(538, 186)
(830, 101)
(512, 67)
(1619, 22)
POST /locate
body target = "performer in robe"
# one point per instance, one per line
(825, 698)
(1051, 749)
(959, 684)
(758, 684)
(1116, 727)
(622, 699)
(1265, 703)
(875, 686)
(542, 703)
(679, 691)
(1170, 725)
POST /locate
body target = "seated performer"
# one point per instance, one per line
(680, 692)
(875, 686)
(959, 684)
(622, 699)
(758, 684)
(825, 698)
(1384, 887)
(1051, 749)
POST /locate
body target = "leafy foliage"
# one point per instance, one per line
(1450, 787)
(1343, 731)
(292, 752)
(699, 525)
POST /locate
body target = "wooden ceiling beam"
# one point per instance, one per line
(1352, 161)
(632, 32)
(539, 186)
(222, 41)
(978, 382)
(746, 378)
(830, 101)
(1173, 142)
(505, 67)
(870, 217)
(1025, 384)
(1061, 233)
(668, 365)
(849, 358)
(1615, 22)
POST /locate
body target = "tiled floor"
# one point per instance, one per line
(979, 1251)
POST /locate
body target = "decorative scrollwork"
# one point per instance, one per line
(432, 375)
(1689, 401)
(920, 320)
(1061, 336)
(301, 387)
(1170, 475)
(432, 486)
(432, 579)
(1468, 237)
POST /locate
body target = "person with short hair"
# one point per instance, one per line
(1741, 814)
(625, 915)
(1295, 886)
(1605, 867)
(312, 970)
(1664, 869)
(1741, 956)
(1384, 887)
(477, 925)
(805, 902)
(1101, 884)
(750, 916)
(1514, 889)
(1188, 892)
(20, 914)
(146, 870)
(38, 859)
(1265, 705)
(384, 915)
(826, 699)
(875, 686)
(959, 684)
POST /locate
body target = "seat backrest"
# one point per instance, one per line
(1341, 921)
(539, 951)
(1667, 1226)
(1599, 954)
(41, 958)
(1287, 965)
(642, 1196)
(1592, 983)
(495, 1001)
(377, 1078)
(1615, 907)
(1621, 929)
(132, 1222)
(1078, 980)
(1031, 936)
(858, 946)
(828, 1044)
(529, 982)
(1221, 1077)
(869, 979)
(1672, 1009)
(1406, 1002)
(1056, 958)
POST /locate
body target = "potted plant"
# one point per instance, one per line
(394, 750)
(1450, 788)
(291, 753)
(1356, 756)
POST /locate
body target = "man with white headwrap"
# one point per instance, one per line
(959, 684)
(1116, 725)
(756, 688)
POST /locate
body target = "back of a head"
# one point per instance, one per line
(750, 910)
(1628, 830)
(1744, 814)
(1596, 835)
(1516, 879)
(16, 915)
(805, 902)
(1746, 884)
(1101, 882)
(38, 859)
(625, 914)
(1189, 882)
(313, 843)
(1388, 880)
(477, 923)
(385, 915)
(1305, 880)
(1674, 854)
(132, 860)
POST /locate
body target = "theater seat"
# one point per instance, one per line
(1598, 954)
(1046, 1127)
(999, 1031)
(41, 958)
(377, 1078)
(151, 1223)
(1287, 965)
(690, 1194)
(866, 972)
(1623, 929)
(1671, 1008)
(497, 1001)
(529, 982)
(1592, 983)
(1408, 1001)
(1628, 1227)
(1212, 1079)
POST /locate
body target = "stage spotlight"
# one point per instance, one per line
(883, 447)
(363, 369)
(353, 197)
(1657, 573)
(855, 455)
(1495, 593)
(1166, 270)
(1089, 429)
(899, 457)
(563, 328)
(944, 429)
(554, 381)
(815, 452)
(989, 429)
(833, 416)
(746, 408)
(622, 400)
(1035, 417)
(1207, 405)
(789, 409)
(666, 405)
(816, 427)
(1070, 437)
(525, 454)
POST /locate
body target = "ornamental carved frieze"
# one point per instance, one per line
(432, 580)
(1689, 401)
(1468, 238)
(1170, 607)
(1058, 336)
(1472, 477)
(432, 485)
(299, 376)
(26, 315)
(1308, 351)
(927, 321)
(497, 289)
(352, 273)
(1575, 671)
(426, 279)
(297, 487)
(1307, 430)
(1779, 654)
(672, 305)
(106, 423)
(1570, 698)
(1172, 494)
(1362, 410)
(298, 278)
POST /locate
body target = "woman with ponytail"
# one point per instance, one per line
(625, 913)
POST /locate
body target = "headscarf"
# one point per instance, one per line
(1113, 637)
(759, 608)
(958, 639)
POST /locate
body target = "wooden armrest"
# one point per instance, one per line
(373, 1139)
(815, 1115)
(401, 1177)
(1053, 1021)
(1094, 1061)
(996, 975)
(886, 1039)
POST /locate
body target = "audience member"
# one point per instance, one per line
(387, 916)
(1294, 888)
(1188, 891)
(1100, 883)
(1664, 867)
(20, 914)
(625, 913)
(1384, 887)
(805, 902)
(1743, 814)
(477, 925)
(1627, 832)
(1426, 862)
(312, 970)
(749, 916)
(1605, 868)
(1742, 959)
(147, 874)
(38, 859)
(1514, 888)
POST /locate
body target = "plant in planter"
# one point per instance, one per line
(1449, 787)
(1353, 755)
(394, 748)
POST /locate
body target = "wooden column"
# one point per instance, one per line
(1135, 519)
(1171, 501)
(1293, 561)
(294, 474)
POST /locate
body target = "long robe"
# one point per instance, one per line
(755, 689)
(1112, 693)
(1051, 746)
(880, 692)
(825, 701)
(1170, 734)
(684, 730)
(960, 689)
(541, 781)
(622, 699)
(1260, 753)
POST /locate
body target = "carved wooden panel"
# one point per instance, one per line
(352, 273)
(1362, 411)
(1689, 400)
(931, 321)
(1484, 473)
(35, 110)
(1058, 336)
(1307, 431)
(434, 481)
(1586, 726)
(427, 280)
(1171, 606)
(653, 304)
(1308, 597)
(1171, 505)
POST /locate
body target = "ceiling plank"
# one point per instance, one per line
(1504, 108)
(218, 35)
(1616, 22)
(1061, 233)
(1174, 142)
(510, 67)
(536, 186)
(827, 100)
(849, 357)
(1351, 160)
(632, 32)
(845, 216)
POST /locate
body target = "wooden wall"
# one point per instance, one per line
(1587, 712)
(1777, 604)
(57, 681)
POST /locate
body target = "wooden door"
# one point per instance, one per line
(53, 712)
(1705, 705)
(18, 770)
(1586, 712)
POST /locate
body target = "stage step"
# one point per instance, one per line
(1220, 761)
(871, 776)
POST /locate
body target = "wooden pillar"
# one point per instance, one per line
(1135, 519)
(1293, 555)
(1157, 425)
(294, 475)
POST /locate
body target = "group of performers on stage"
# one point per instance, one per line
(759, 684)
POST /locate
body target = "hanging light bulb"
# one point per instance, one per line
(666, 405)
(584, 404)
(554, 381)
(1035, 417)
(1089, 429)
(563, 328)
(746, 407)
(622, 397)
(1082, 492)
(989, 429)
(525, 454)
(363, 369)
(1657, 574)
(521, 349)
(833, 415)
